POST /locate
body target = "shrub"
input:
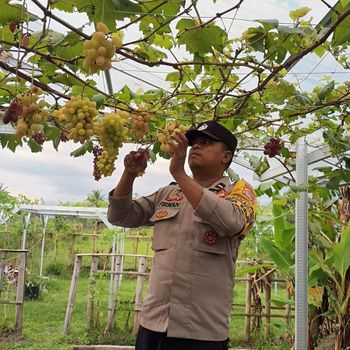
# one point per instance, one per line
(55, 269)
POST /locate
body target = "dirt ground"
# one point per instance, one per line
(7, 335)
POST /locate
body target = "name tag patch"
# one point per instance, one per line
(171, 201)
(169, 204)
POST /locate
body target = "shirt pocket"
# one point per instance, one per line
(207, 240)
(164, 221)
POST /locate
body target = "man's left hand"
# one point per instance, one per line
(178, 148)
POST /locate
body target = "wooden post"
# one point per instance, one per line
(72, 294)
(111, 299)
(2, 269)
(248, 303)
(267, 286)
(91, 292)
(114, 294)
(20, 293)
(138, 293)
(137, 249)
(134, 250)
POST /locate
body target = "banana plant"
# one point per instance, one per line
(331, 274)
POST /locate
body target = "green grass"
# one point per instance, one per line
(44, 319)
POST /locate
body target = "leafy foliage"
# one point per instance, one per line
(203, 63)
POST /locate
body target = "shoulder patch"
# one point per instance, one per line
(243, 196)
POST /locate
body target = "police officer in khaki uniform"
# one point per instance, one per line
(199, 222)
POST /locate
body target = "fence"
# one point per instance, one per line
(253, 306)
(19, 288)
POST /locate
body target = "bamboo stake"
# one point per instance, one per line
(2, 269)
(242, 314)
(114, 295)
(72, 294)
(248, 301)
(138, 293)
(267, 286)
(20, 293)
(91, 292)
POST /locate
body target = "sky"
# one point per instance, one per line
(56, 177)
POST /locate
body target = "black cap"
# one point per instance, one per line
(215, 131)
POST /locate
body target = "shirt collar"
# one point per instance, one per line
(220, 184)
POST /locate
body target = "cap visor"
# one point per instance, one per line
(192, 134)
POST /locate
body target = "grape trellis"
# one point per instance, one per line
(240, 81)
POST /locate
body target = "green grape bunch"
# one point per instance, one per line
(139, 125)
(100, 49)
(170, 129)
(77, 117)
(104, 162)
(111, 132)
(27, 112)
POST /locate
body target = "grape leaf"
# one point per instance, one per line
(200, 40)
(69, 47)
(67, 79)
(326, 90)
(268, 23)
(164, 41)
(298, 13)
(86, 147)
(34, 146)
(232, 174)
(255, 38)
(303, 99)
(53, 133)
(289, 30)
(168, 8)
(99, 99)
(342, 33)
(10, 13)
(7, 140)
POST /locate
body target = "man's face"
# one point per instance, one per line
(206, 153)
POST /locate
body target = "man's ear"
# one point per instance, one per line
(228, 156)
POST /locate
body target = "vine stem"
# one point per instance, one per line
(289, 172)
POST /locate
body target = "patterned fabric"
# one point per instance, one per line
(243, 197)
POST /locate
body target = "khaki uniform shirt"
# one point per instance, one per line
(191, 282)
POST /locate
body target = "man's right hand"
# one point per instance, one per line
(136, 162)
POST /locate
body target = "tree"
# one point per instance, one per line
(95, 199)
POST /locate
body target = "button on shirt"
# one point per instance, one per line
(191, 282)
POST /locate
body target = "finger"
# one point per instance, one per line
(172, 146)
(183, 137)
(176, 138)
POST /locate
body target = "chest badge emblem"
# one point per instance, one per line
(222, 194)
(210, 237)
(161, 214)
(174, 197)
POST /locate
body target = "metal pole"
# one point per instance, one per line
(301, 249)
(25, 229)
(44, 220)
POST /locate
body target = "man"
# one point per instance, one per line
(199, 222)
